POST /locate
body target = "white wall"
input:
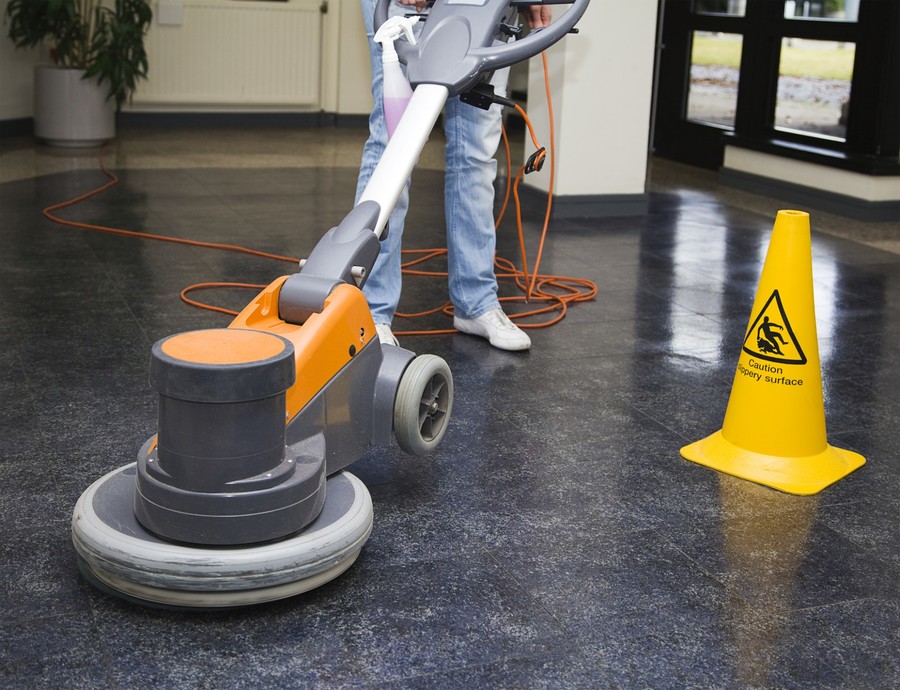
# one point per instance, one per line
(293, 58)
(601, 83)
(354, 76)
(346, 80)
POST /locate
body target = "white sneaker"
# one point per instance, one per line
(497, 328)
(386, 335)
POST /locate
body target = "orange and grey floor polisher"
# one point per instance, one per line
(242, 495)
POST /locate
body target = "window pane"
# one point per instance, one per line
(715, 66)
(840, 10)
(814, 86)
(734, 7)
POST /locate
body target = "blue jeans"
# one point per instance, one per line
(472, 138)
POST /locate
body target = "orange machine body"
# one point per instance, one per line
(323, 345)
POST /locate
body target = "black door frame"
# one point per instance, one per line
(872, 141)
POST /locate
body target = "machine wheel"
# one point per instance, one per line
(422, 405)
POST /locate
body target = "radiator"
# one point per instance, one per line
(237, 55)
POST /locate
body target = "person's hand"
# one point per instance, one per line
(418, 4)
(538, 16)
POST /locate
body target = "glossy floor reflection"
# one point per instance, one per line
(556, 539)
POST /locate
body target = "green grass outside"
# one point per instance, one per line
(795, 61)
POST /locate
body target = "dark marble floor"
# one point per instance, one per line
(556, 539)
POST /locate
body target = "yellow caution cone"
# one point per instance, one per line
(774, 429)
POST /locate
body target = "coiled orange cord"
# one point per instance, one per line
(555, 292)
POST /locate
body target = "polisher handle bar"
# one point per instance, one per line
(503, 55)
(485, 56)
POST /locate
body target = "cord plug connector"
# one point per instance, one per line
(482, 96)
(536, 161)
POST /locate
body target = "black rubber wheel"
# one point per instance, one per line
(422, 405)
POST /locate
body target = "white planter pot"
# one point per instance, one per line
(69, 111)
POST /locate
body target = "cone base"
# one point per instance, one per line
(802, 476)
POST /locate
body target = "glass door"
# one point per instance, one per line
(699, 74)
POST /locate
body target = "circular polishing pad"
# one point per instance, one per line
(120, 555)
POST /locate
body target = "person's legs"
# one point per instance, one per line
(472, 138)
(382, 289)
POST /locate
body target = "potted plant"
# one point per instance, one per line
(97, 47)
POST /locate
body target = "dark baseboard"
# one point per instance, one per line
(587, 205)
(351, 121)
(25, 126)
(19, 127)
(188, 120)
(802, 196)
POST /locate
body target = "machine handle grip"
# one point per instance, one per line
(381, 13)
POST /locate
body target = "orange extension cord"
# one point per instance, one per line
(554, 292)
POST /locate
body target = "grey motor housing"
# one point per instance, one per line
(218, 472)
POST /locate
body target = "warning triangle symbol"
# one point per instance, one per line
(771, 337)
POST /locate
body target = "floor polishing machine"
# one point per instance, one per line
(242, 495)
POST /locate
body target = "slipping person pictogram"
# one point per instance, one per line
(771, 337)
(768, 338)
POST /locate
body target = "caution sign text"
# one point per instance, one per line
(767, 373)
